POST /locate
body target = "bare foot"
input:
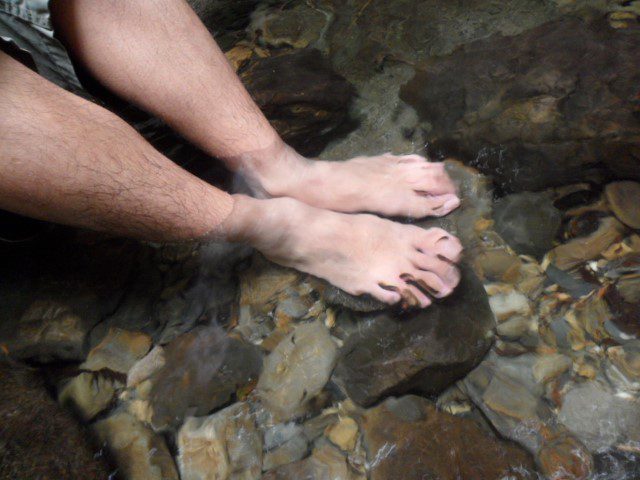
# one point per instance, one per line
(406, 185)
(357, 253)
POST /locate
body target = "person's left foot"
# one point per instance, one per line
(406, 185)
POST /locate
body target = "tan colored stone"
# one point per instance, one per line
(624, 200)
(222, 446)
(498, 264)
(146, 366)
(238, 56)
(506, 302)
(548, 367)
(139, 452)
(118, 351)
(580, 250)
(88, 394)
(344, 433)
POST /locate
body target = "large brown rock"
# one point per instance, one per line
(422, 351)
(409, 437)
(538, 109)
(202, 371)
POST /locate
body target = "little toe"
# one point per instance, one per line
(413, 295)
(412, 158)
(428, 283)
(439, 205)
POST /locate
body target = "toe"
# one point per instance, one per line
(432, 180)
(440, 243)
(387, 293)
(412, 294)
(411, 158)
(428, 283)
(428, 262)
(439, 205)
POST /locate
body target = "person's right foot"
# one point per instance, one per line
(357, 253)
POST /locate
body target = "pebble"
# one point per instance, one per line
(222, 446)
(344, 433)
(118, 351)
(297, 370)
(88, 394)
(140, 453)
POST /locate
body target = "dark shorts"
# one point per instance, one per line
(26, 25)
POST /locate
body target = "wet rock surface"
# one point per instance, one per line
(528, 222)
(297, 370)
(533, 115)
(424, 351)
(139, 452)
(207, 369)
(223, 445)
(622, 198)
(398, 433)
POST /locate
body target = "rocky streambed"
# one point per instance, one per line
(209, 362)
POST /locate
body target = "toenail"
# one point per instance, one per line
(445, 259)
(446, 237)
(389, 288)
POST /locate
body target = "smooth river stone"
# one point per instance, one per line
(409, 436)
(423, 351)
(624, 200)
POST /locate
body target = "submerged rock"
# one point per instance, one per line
(409, 435)
(422, 351)
(325, 463)
(508, 393)
(599, 417)
(118, 351)
(623, 198)
(139, 452)
(306, 118)
(584, 248)
(202, 370)
(527, 221)
(297, 370)
(88, 394)
(225, 445)
(623, 367)
(533, 115)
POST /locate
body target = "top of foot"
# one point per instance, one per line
(405, 185)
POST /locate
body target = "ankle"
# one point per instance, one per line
(238, 226)
(276, 171)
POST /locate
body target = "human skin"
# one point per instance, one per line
(67, 160)
(158, 55)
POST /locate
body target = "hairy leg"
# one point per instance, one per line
(158, 55)
(67, 160)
